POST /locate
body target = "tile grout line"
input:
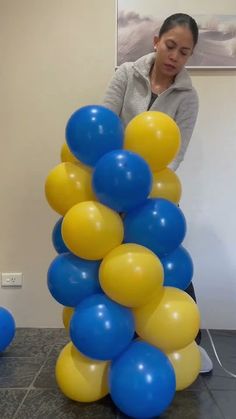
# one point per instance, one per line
(31, 386)
(215, 401)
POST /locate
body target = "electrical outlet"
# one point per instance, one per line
(12, 280)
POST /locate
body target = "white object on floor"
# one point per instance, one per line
(217, 357)
(206, 362)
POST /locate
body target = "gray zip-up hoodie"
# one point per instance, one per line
(129, 94)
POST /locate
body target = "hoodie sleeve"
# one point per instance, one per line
(114, 96)
(185, 118)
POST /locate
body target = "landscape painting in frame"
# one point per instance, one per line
(139, 20)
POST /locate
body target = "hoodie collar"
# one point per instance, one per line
(143, 66)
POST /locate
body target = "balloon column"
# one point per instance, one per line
(121, 267)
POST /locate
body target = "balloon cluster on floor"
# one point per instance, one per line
(7, 328)
(121, 269)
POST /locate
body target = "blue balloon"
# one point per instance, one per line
(178, 268)
(57, 239)
(142, 381)
(71, 279)
(100, 328)
(122, 180)
(7, 328)
(93, 131)
(158, 224)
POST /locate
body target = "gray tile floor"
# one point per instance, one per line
(28, 388)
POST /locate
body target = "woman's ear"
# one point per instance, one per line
(155, 42)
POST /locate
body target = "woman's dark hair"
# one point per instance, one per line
(180, 19)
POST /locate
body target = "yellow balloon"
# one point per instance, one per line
(166, 184)
(130, 274)
(67, 313)
(155, 136)
(80, 378)
(66, 185)
(170, 323)
(186, 363)
(67, 156)
(90, 230)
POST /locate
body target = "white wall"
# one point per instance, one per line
(208, 175)
(57, 55)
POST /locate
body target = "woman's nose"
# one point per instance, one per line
(174, 55)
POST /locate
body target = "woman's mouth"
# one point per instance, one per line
(169, 67)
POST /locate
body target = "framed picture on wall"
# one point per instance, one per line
(139, 20)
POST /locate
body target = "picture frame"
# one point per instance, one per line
(137, 24)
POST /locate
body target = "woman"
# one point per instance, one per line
(160, 82)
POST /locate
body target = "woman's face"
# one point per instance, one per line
(173, 50)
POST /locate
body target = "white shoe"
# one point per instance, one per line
(206, 362)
